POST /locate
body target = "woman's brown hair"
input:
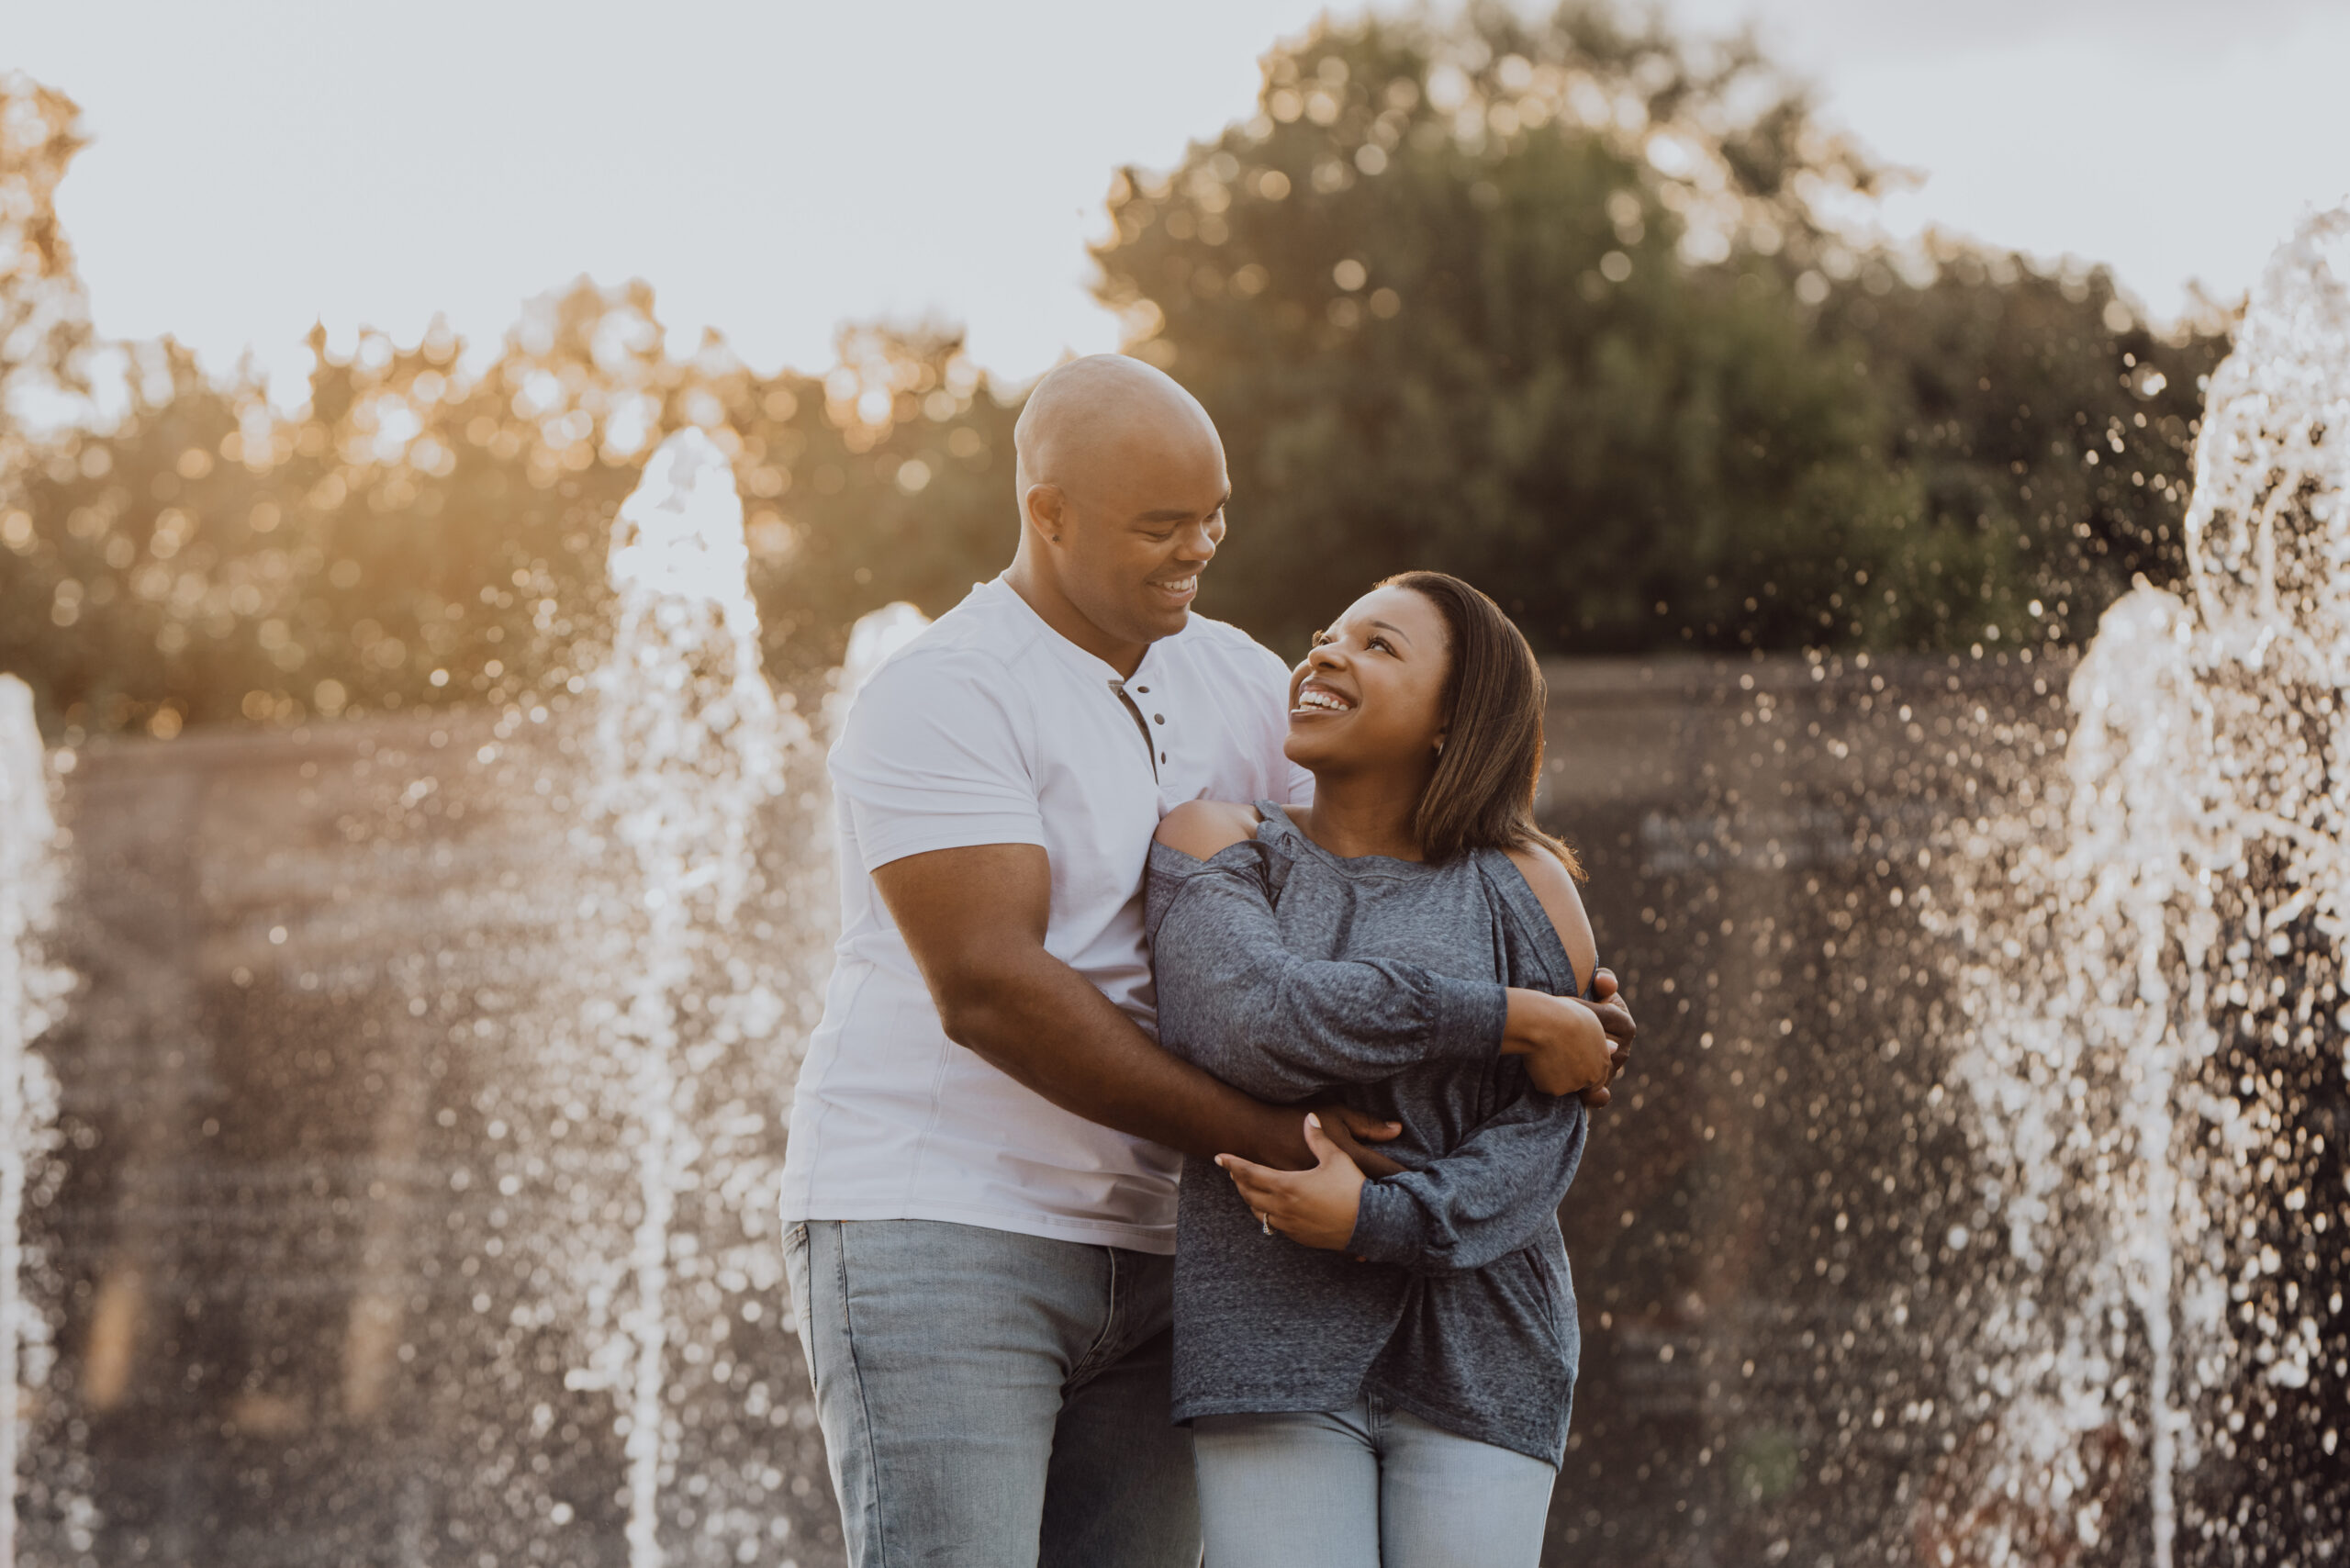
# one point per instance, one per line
(1482, 795)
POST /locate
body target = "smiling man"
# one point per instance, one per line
(980, 1187)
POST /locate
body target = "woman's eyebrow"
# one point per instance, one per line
(1397, 630)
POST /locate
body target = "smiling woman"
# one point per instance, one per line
(1444, 663)
(1408, 945)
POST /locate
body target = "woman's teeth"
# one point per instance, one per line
(1180, 585)
(1322, 701)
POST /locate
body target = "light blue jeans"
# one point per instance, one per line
(993, 1401)
(1369, 1486)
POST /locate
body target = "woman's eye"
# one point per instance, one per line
(1381, 643)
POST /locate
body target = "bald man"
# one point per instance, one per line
(980, 1186)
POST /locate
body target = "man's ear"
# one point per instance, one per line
(1044, 508)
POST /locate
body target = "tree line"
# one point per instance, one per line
(1555, 304)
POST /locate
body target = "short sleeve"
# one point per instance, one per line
(933, 755)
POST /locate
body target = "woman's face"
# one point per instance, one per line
(1368, 696)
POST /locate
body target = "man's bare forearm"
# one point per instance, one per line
(1045, 1026)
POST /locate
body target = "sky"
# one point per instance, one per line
(777, 167)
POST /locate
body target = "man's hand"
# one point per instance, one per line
(1608, 1002)
(1350, 1129)
(1316, 1207)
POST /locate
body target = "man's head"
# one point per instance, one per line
(1122, 489)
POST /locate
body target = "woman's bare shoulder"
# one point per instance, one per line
(1562, 902)
(1201, 828)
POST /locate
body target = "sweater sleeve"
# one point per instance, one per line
(1482, 1200)
(1234, 999)
(1500, 1188)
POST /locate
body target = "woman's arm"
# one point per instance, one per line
(1484, 1200)
(1502, 1184)
(1279, 1026)
(1282, 1027)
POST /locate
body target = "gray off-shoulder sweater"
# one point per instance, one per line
(1297, 975)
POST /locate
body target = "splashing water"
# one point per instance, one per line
(2145, 997)
(690, 743)
(877, 635)
(30, 990)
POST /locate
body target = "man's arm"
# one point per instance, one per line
(975, 921)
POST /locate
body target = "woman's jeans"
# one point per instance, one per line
(1367, 1487)
(990, 1400)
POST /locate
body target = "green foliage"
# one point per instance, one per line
(417, 535)
(2039, 408)
(1548, 306)
(1545, 304)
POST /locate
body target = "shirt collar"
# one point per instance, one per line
(1089, 664)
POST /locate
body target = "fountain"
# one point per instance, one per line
(30, 989)
(418, 1117)
(422, 1115)
(2154, 998)
(872, 641)
(689, 745)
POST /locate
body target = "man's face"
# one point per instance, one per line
(1133, 540)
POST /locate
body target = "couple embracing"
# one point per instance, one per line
(1206, 1055)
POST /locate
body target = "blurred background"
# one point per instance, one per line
(1805, 379)
(1616, 286)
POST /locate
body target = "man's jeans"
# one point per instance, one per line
(1369, 1486)
(992, 1400)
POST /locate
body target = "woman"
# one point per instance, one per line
(1386, 1383)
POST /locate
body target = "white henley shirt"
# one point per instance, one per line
(990, 727)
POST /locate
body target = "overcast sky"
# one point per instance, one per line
(774, 167)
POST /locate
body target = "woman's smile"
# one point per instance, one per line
(1314, 697)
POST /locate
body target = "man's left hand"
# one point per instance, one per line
(1315, 1207)
(1355, 1132)
(1607, 1000)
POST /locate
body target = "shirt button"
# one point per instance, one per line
(1159, 718)
(1143, 689)
(1162, 757)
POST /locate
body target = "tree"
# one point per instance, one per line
(1547, 304)
(1550, 306)
(414, 536)
(44, 320)
(2039, 406)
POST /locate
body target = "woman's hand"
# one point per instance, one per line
(1563, 1042)
(1315, 1207)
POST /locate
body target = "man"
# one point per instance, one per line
(980, 1184)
